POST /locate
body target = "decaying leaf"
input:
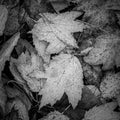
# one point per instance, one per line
(110, 86)
(57, 30)
(104, 52)
(34, 7)
(12, 23)
(4, 56)
(103, 112)
(31, 69)
(56, 116)
(91, 75)
(7, 48)
(113, 4)
(19, 106)
(90, 97)
(118, 100)
(15, 72)
(98, 17)
(64, 76)
(3, 97)
(94, 90)
(98, 12)
(16, 93)
(17, 75)
(3, 18)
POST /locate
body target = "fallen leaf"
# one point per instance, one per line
(103, 112)
(64, 76)
(7, 48)
(56, 116)
(12, 24)
(110, 85)
(104, 52)
(3, 97)
(57, 30)
(20, 107)
(3, 18)
(4, 56)
(16, 93)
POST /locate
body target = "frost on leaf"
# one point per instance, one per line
(30, 66)
(103, 112)
(64, 75)
(57, 30)
(55, 116)
(104, 51)
(110, 86)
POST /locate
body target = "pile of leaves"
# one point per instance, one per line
(60, 59)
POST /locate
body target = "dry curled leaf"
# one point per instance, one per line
(29, 66)
(4, 56)
(17, 93)
(19, 106)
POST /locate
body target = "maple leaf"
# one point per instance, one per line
(64, 76)
(57, 30)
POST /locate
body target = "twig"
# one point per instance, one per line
(66, 109)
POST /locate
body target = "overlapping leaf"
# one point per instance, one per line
(4, 56)
(103, 112)
(64, 76)
(104, 52)
(3, 18)
(19, 106)
(57, 30)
